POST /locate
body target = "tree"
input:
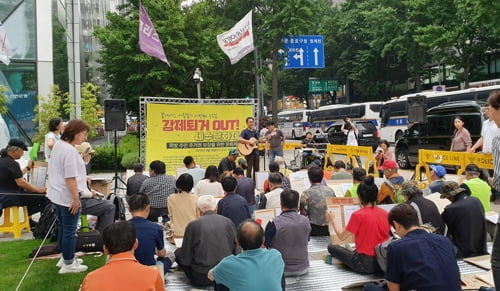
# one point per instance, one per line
(90, 106)
(3, 100)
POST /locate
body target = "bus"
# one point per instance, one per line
(394, 113)
(293, 123)
(325, 116)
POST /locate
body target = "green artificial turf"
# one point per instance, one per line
(43, 274)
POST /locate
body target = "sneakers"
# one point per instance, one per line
(60, 263)
(74, 267)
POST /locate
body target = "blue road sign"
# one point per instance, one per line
(303, 51)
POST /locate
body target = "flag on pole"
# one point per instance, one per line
(149, 42)
(5, 51)
(238, 41)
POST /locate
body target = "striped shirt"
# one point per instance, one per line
(496, 163)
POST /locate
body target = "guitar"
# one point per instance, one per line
(247, 149)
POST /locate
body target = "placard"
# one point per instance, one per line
(265, 215)
(39, 174)
(342, 208)
(260, 177)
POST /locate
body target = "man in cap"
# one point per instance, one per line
(228, 164)
(386, 194)
(465, 220)
(12, 181)
(476, 187)
(437, 177)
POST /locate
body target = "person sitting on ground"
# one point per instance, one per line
(392, 182)
(369, 226)
(383, 153)
(275, 168)
(476, 187)
(255, 268)
(209, 185)
(312, 202)
(134, 182)
(158, 187)
(182, 206)
(465, 220)
(12, 181)
(419, 260)
(289, 234)
(228, 164)
(358, 175)
(428, 213)
(246, 188)
(437, 177)
(233, 205)
(271, 199)
(339, 172)
(122, 272)
(193, 169)
(149, 234)
(207, 240)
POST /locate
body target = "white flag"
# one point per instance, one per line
(5, 52)
(238, 41)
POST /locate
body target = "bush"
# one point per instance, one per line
(129, 160)
(103, 158)
(129, 144)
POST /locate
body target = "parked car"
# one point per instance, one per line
(437, 133)
(368, 134)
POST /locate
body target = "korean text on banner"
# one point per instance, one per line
(149, 41)
(205, 132)
(238, 41)
(5, 51)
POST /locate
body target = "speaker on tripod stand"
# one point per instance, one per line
(115, 119)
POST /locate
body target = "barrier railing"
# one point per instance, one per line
(350, 152)
(458, 159)
(289, 146)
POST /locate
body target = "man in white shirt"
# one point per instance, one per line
(488, 131)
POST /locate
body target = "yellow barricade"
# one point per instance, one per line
(458, 159)
(350, 152)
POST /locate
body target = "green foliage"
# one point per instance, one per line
(43, 273)
(129, 160)
(52, 106)
(104, 158)
(3, 100)
(129, 144)
(90, 106)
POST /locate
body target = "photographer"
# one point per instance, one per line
(383, 153)
(349, 129)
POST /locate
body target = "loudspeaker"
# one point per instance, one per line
(417, 109)
(115, 116)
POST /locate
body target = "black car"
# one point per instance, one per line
(368, 134)
(437, 133)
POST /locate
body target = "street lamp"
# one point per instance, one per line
(198, 79)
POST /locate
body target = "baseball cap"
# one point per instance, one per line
(234, 152)
(472, 168)
(83, 147)
(440, 171)
(388, 164)
(18, 143)
(450, 188)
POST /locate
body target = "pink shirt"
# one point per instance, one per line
(461, 139)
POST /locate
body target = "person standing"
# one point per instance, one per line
(134, 182)
(158, 187)
(249, 136)
(489, 130)
(56, 126)
(276, 141)
(349, 128)
(461, 140)
(67, 179)
(494, 111)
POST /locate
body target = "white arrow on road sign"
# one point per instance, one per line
(315, 50)
(300, 56)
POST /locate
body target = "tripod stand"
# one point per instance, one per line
(115, 197)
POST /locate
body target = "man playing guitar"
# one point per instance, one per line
(248, 147)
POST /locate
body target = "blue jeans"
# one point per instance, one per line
(66, 234)
(274, 153)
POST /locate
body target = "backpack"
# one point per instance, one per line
(48, 219)
(397, 191)
(119, 206)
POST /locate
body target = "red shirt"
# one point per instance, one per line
(370, 227)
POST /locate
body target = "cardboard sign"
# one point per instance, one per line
(38, 176)
(342, 208)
